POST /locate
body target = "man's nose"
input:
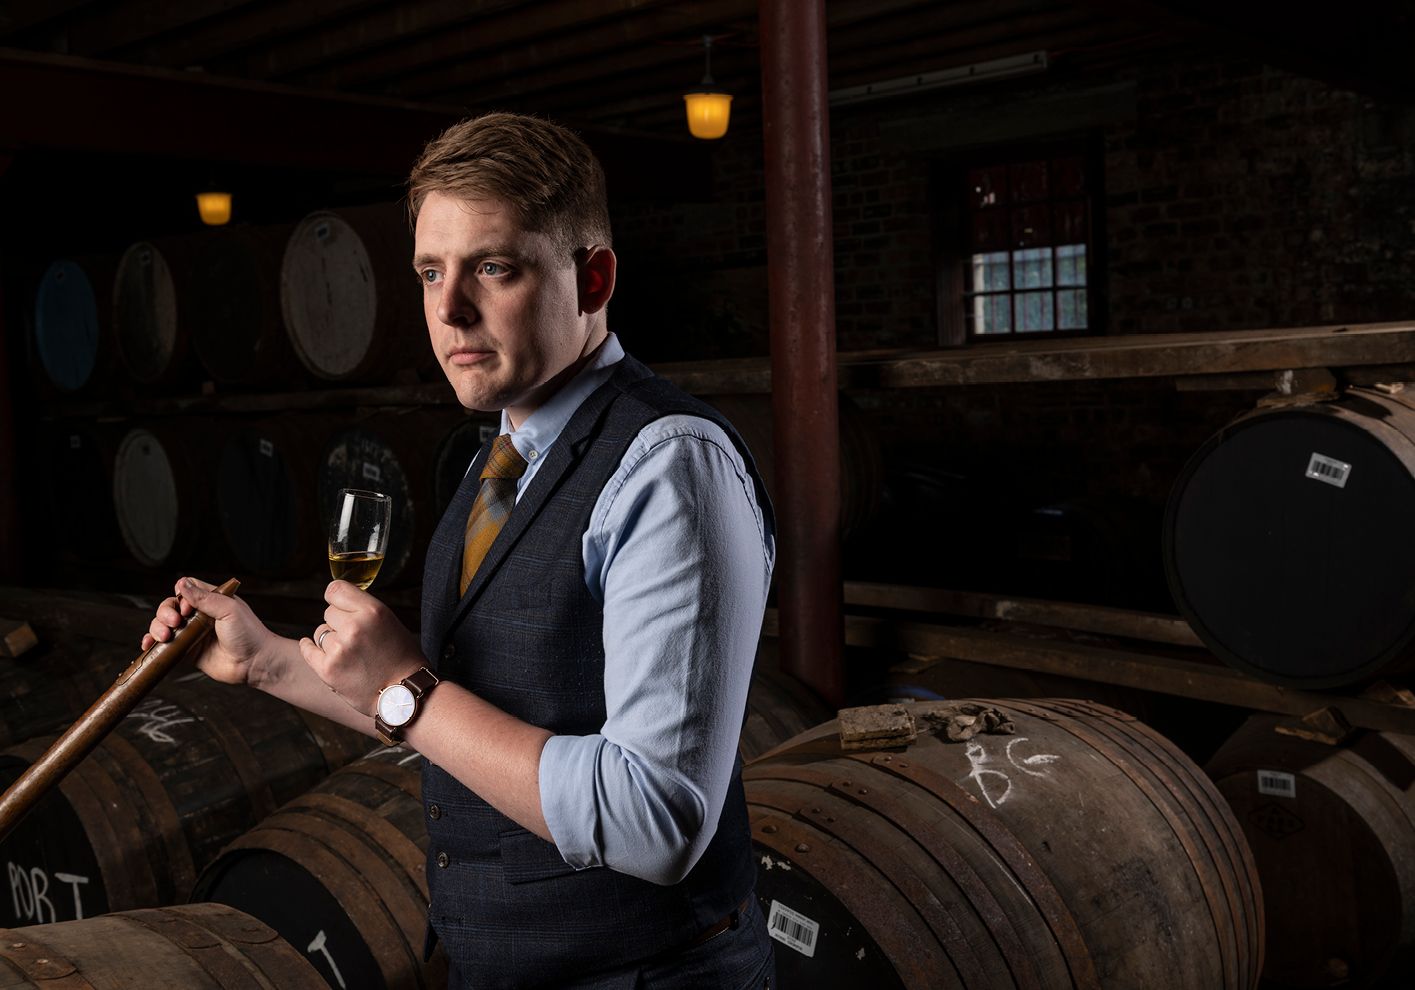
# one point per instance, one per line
(456, 305)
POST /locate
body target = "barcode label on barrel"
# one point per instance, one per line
(1277, 784)
(1328, 469)
(372, 473)
(792, 928)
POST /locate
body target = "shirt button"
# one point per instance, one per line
(442, 860)
(532, 455)
(434, 812)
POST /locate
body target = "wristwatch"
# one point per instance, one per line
(399, 704)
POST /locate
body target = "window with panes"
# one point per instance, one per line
(1028, 248)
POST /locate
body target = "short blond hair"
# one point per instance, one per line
(544, 171)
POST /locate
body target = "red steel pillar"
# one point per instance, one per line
(9, 458)
(801, 266)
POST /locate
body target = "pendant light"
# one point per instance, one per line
(708, 108)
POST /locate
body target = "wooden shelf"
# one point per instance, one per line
(1228, 359)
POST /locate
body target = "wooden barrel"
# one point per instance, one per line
(265, 495)
(391, 452)
(194, 766)
(1081, 851)
(149, 323)
(344, 867)
(50, 686)
(351, 303)
(1332, 830)
(861, 469)
(78, 481)
(192, 946)
(454, 455)
(162, 493)
(1278, 534)
(72, 321)
(238, 331)
(778, 706)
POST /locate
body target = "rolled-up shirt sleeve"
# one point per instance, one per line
(680, 555)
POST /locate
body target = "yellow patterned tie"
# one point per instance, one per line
(493, 504)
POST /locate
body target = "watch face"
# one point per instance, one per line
(396, 704)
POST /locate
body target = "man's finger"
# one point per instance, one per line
(345, 596)
(204, 598)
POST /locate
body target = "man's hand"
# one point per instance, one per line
(233, 654)
(360, 648)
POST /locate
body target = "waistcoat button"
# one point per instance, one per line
(434, 812)
(448, 652)
(442, 860)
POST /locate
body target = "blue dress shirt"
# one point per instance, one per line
(679, 555)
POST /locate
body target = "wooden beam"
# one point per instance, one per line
(1100, 619)
(204, 44)
(116, 26)
(17, 16)
(1164, 675)
(457, 43)
(622, 46)
(126, 109)
(129, 110)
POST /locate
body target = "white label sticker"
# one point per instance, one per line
(267, 449)
(1328, 469)
(1277, 783)
(372, 473)
(792, 928)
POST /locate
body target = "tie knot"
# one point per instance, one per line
(504, 460)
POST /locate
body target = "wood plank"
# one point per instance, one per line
(114, 108)
(457, 43)
(116, 26)
(243, 29)
(1134, 356)
(1165, 675)
(1106, 621)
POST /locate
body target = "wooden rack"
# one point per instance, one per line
(1257, 359)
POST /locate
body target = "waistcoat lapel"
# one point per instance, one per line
(564, 455)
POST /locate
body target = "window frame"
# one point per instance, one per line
(952, 228)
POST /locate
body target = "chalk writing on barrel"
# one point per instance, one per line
(319, 945)
(996, 785)
(29, 893)
(157, 716)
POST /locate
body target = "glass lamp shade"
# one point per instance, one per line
(708, 114)
(214, 207)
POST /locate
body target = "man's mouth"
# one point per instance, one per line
(465, 357)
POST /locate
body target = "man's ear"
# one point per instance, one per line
(597, 266)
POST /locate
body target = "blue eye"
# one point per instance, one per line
(493, 268)
(429, 276)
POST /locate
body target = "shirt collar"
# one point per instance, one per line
(542, 427)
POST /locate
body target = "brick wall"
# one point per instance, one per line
(1235, 196)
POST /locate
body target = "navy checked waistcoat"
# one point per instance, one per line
(527, 637)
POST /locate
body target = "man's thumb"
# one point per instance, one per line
(205, 599)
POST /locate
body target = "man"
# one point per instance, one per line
(590, 609)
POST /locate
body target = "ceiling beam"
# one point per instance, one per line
(303, 64)
(116, 26)
(119, 109)
(241, 30)
(1362, 45)
(295, 58)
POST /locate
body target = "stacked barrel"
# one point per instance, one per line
(205, 337)
(1286, 543)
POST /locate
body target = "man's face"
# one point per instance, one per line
(501, 304)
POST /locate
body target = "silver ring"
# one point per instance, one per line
(320, 641)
